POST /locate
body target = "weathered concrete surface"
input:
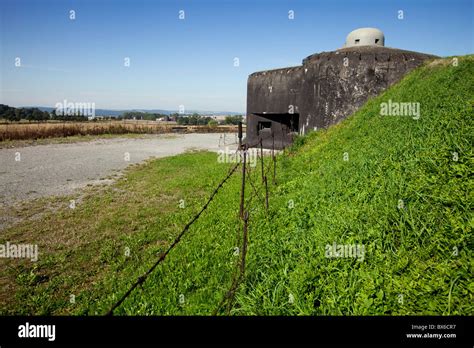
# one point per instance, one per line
(274, 91)
(327, 88)
(273, 95)
(342, 81)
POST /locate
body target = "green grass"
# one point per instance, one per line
(418, 258)
(82, 251)
(410, 265)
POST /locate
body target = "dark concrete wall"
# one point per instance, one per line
(269, 94)
(273, 91)
(337, 83)
(327, 88)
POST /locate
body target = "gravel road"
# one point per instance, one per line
(58, 169)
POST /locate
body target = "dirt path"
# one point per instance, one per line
(58, 169)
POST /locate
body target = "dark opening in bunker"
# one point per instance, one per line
(262, 125)
(285, 123)
(357, 41)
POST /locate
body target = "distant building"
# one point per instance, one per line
(219, 118)
(90, 118)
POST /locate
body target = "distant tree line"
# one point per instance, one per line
(196, 119)
(139, 115)
(233, 119)
(34, 114)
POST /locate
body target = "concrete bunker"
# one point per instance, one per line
(365, 37)
(325, 89)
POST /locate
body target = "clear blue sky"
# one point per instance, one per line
(191, 61)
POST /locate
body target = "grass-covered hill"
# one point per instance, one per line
(405, 193)
(399, 186)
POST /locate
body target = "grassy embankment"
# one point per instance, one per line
(418, 255)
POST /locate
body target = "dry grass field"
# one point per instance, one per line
(41, 130)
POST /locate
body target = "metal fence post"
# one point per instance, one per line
(273, 158)
(261, 157)
(242, 193)
(266, 193)
(240, 134)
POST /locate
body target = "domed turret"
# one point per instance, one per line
(365, 37)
